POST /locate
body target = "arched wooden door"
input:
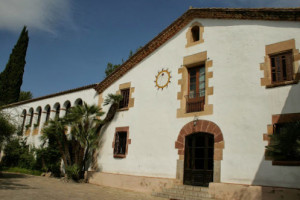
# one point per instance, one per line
(199, 159)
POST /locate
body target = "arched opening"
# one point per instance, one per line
(67, 106)
(195, 33)
(199, 159)
(47, 110)
(24, 120)
(196, 135)
(31, 117)
(57, 110)
(39, 113)
(78, 102)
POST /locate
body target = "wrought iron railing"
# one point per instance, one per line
(195, 102)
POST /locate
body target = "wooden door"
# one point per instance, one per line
(199, 159)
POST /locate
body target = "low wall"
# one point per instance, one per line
(130, 182)
(227, 191)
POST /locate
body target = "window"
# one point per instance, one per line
(124, 102)
(284, 142)
(280, 64)
(120, 144)
(79, 102)
(31, 117)
(195, 99)
(281, 67)
(282, 137)
(24, 120)
(68, 107)
(47, 114)
(195, 33)
(39, 117)
(57, 111)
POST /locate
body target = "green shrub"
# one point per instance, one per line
(18, 154)
(73, 172)
(48, 160)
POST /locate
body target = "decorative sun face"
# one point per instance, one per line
(162, 79)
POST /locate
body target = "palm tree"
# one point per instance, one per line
(84, 121)
(114, 100)
(55, 130)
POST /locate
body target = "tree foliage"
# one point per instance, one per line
(25, 95)
(18, 154)
(110, 68)
(7, 128)
(286, 144)
(12, 77)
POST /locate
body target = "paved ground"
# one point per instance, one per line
(21, 187)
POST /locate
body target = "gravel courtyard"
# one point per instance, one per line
(20, 186)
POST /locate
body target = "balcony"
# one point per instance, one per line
(195, 102)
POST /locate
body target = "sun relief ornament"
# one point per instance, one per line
(162, 79)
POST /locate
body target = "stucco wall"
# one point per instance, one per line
(242, 108)
(88, 95)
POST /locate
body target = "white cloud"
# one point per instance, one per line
(42, 15)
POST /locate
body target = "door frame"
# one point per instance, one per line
(200, 126)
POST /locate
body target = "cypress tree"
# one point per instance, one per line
(12, 76)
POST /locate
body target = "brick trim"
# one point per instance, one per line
(201, 126)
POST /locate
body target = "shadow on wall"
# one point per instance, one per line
(275, 175)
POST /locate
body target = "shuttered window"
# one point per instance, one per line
(124, 102)
(282, 67)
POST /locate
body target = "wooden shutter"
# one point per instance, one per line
(289, 66)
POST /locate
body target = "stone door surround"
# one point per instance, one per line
(195, 127)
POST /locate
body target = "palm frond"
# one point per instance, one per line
(113, 98)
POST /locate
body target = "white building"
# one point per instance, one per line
(200, 101)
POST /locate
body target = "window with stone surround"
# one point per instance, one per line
(121, 142)
(195, 86)
(281, 65)
(281, 135)
(194, 34)
(126, 91)
(125, 100)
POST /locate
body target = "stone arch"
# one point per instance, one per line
(195, 127)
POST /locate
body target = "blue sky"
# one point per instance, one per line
(71, 41)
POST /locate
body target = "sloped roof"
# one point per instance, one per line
(272, 14)
(50, 95)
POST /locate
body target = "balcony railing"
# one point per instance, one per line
(194, 102)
